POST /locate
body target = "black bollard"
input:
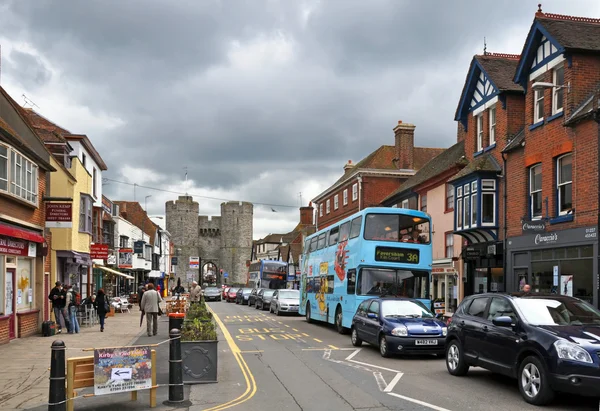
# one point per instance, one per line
(58, 390)
(175, 367)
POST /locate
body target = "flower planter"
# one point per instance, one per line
(199, 360)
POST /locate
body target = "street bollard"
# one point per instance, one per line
(175, 367)
(58, 391)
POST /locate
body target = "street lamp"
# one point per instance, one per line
(540, 85)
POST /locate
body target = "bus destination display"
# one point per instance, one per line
(397, 255)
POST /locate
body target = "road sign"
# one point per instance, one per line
(114, 369)
(225, 275)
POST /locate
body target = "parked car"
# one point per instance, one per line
(547, 342)
(398, 326)
(242, 296)
(252, 297)
(285, 301)
(263, 299)
(232, 294)
(212, 294)
(224, 293)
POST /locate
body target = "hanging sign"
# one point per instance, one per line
(59, 215)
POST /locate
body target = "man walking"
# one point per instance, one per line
(149, 305)
(195, 292)
(58, 296)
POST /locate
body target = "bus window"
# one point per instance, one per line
(351, 287)
(330, 280)
(313, 244)
(401, 283)
(344, 231)
(306, 246)
(333, 235)
(356, 225)
(393, 227)
(321, 242)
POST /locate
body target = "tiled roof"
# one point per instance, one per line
(47, 130)
(578, 33)
(485, 162)
(515, 142)
(447, 159)
(501, 70)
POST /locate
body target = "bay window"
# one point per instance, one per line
(564, 183)
(474, 204)
(3, 168)
(488, 202)
(85, 214)
(18, 175)
(535, 191)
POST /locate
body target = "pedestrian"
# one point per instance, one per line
(158, 290)
(58, 296)
(526, 288)
(195, 292)
(73, 303)
(102, 307)
(150, 305)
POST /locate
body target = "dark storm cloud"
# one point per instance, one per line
(164, 69)
(32, 71)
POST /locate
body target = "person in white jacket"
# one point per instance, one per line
(149, 304)
(195, 292)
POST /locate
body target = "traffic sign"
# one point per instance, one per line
(225, 275)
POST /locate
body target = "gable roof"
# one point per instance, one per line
(515, 142)
(483, 163)
(446, 160)
(488, 76)
(556, 33)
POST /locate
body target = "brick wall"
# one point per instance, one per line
(516, 179)
(24, 211)
(584, 75)
(375, 189)
(27, 323)
(4, 332)
(342, 212)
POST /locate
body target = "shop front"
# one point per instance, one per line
(561, 262)
(444, 292)
(484, 267)
(19, 270)
(73, 269)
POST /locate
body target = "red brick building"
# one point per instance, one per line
(368, 182)
(552, 165)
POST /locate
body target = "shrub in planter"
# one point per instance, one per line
(199, 346)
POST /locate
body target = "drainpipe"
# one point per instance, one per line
(597, 119)
(359, 193)
(504, 201)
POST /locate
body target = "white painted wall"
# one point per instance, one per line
(125, 228)
(90, 164)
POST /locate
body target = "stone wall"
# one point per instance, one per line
(236, 239)
(182, 223)
(209, 241)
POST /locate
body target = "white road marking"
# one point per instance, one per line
(380, 381)
(423, 403)
(393, 383)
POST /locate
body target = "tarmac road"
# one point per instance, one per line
(289, 364)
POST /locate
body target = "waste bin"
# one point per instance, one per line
(176, 320)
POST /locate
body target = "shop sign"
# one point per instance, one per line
(472, 253)
(173, 260)
(107, 205)
(111, 259)
(443, 270)
(17, 246)
(534, 226)
(138, 247)
(125, 258)
(59, 215)
(546, 238)
(195, 262)
(122, 369)
(99, 251)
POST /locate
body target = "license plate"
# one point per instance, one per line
(426, 342)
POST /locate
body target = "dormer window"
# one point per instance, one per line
(479, 119)
(558, 91)
(538, 105)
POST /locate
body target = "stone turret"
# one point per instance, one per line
(236, 239)
(182, 223)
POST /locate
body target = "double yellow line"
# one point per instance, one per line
(248, 377)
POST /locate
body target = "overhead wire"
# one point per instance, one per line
(195, 195)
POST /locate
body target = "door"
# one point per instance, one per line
(359, 320)
(522, 276)
(501, 347)
(9, 297)
(372, 324)
(473, 326)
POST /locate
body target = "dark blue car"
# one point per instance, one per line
(398, 326)
(547, 342)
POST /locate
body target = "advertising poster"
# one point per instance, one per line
(566, 285)
(122, 369)
(125, 258)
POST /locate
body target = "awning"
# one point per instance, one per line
(15, 232)
(479, 235)
(110, 270)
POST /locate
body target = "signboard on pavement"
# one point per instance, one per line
(122, 369)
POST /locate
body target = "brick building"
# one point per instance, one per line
(552, 165)
(368, 182)
(24, 184)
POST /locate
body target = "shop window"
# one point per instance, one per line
(536, 255)
(564, 183)
(2, 288)
(24, 284)
(572, 252)
(535, 191)
(559, 253)
(547, 254)
(587, 251)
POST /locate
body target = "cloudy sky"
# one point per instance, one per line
(260, 99)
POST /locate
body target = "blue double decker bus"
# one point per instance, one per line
(374, 252)
(267, 274)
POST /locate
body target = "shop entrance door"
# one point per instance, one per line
(522, 276)
(9, 298)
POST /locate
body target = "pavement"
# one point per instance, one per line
(271, 362)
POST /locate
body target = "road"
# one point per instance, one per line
(294, 365)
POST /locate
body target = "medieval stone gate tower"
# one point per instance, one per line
(225, 240)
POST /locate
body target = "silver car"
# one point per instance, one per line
(285, 301)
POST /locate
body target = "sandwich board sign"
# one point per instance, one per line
(122, 369)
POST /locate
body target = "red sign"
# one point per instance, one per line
(14, 246)
(59, 215)
(99, 251)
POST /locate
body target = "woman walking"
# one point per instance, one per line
(149, 305)
(102, 307)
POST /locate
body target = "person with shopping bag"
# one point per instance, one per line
(150, 306)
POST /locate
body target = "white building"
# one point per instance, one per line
(126, 234)
(91, 160)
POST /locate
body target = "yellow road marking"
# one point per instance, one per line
(334, 347)
(317, 340)
(247, 352)
(304, 334)
(295, 329)
(248, 377)
(287, 326)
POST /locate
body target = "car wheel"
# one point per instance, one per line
(383, 347)
(308, 319)
(455, 362)
(533, 383)
(256, 305)
(339, 321)
(357, 342)
(277, 313)
(270, 309)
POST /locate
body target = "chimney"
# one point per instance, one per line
(306, 215)
(405, 144)
(348, 165)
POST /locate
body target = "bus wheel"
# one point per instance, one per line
(308, 319)
(338, 320)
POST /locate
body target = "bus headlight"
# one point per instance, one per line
(400, 331)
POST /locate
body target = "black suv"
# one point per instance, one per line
(547, 342)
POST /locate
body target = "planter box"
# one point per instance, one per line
(199, 361)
